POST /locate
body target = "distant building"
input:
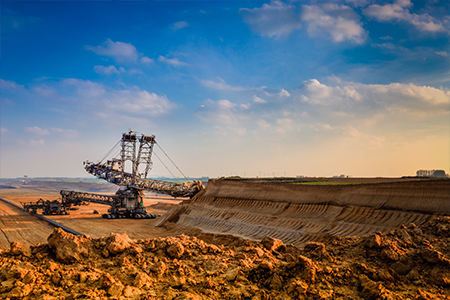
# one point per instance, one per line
(432, 173)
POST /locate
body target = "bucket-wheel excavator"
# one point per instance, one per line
(128, 200)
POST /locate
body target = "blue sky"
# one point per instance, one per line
(252, 88)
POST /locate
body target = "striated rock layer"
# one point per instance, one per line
(411, 262)
(300, 213)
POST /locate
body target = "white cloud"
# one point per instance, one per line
(84, 99)
(223, 86)
(403, 98)
(138, 102)
(84, 88)
(69, 133)
(263, 124)
(321, 127)
(126, 101)
(442, 53)
(119, 51)
(256, 99)
(5, 84)
(37, 130)
(374, 140)
(284, 93)
(221, 112)
(339, 21)
(399, 11)
(179, 25)
(113, 70)
(45, 90)
(34, 143)
(284, 125)
(276, 19)
(146, 60)
(231, 131)
(106, 70)
(3, 130)
(358, 3)
(389, 46)
(172, 61)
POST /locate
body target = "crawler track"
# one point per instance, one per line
(21, 226)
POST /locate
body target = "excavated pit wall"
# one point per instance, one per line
(301, 213)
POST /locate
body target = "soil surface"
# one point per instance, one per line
(17, 225)
(282, 242)
(30, 230)
(408, 263)
(298, 214)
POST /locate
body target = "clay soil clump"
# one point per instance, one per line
(408, 263)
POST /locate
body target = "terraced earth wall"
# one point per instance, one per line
(298, 214)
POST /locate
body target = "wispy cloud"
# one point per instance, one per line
(34, 143)
(146, 60)
(109, 70)
(91, 100)
(172, 61)
(179, 25)
(5, 84)
(70, 133)
(276, 19)
(221, 85)
(256, 99)
(399, 11)
(127, 101)
(281, 94)
(358, 3)
(120, 52)
(106, 70)
(37, 130)
(284, 93)
(221, 112)
(339, 21)
(59, 131)
(442, 53)
(356, 97)
(345, 109)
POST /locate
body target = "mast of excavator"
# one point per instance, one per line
(144, 154)
(146, 143)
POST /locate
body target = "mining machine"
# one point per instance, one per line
(128, 200)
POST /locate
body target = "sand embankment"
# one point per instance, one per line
(300, 213)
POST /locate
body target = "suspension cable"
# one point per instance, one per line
(171, 161)
(165, 166)
(112, 149)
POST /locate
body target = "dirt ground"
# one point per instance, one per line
(17, 225)
(20, 226)
(142, 261)
(408, 263)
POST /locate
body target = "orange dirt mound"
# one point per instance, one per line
(408, 263)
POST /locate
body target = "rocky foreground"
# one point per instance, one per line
(408, 263)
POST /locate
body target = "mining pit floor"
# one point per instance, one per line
(294, 210)
(376, 238)
(24, 227)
